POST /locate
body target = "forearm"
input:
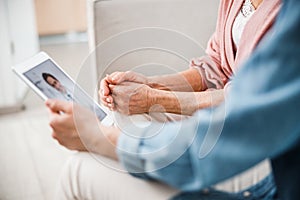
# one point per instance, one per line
(106, 146)
(185, 103)
(186, 81)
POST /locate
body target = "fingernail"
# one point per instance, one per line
(108, 99)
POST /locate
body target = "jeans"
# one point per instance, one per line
(264, 190)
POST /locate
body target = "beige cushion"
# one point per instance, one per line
(191, 19)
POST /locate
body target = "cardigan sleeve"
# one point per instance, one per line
(210, 65)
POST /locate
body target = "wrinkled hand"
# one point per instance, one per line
(117, 78)
(132, 98)
(80, 132)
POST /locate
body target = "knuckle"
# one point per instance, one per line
(61, 142)
(53, 123)
(54, 104)
(58, 138)
(54, 135)
(115, 73)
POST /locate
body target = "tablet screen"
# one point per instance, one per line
(54, 84)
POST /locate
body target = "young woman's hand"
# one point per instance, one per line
(77, 128)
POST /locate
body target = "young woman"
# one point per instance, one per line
(241, 26)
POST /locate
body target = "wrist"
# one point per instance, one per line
(155, 83)
(151, 97)
(113, 136)
(164, 101)
(150, 81)
(176, 102)
(107, 142)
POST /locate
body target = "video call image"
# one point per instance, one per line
(54, 84)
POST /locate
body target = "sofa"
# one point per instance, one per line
(123, 36)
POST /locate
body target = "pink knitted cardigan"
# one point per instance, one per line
(221, 61)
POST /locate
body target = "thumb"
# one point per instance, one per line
(112, 87)
(59, 106)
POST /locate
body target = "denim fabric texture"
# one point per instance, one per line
(264, 190)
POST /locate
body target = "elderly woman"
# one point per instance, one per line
(240, 27)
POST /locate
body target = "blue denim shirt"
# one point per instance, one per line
(259, 120)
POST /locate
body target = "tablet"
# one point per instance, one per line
(42, 74)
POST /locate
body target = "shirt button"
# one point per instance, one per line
(247, 194)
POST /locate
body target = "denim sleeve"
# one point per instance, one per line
(259, 120)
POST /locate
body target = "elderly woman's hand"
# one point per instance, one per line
(117, 78)
(132, 98)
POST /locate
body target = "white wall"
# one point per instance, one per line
(19, 40)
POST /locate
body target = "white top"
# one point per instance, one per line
(240, 22)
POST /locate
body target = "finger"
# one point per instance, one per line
(111, 106)
(104, 98)
(114, 73)
(103, 101)
(108, 105)
(109, 78)
(104, 89)
(109, 99)
(121, 77)
(59, 122)
(59, 106)
(110, 102)
(112, 87)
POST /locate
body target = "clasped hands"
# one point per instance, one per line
(127, 92)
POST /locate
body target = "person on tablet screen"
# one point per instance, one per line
(65, 94)
(55, 83)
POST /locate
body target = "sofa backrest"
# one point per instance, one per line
(125, 30)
